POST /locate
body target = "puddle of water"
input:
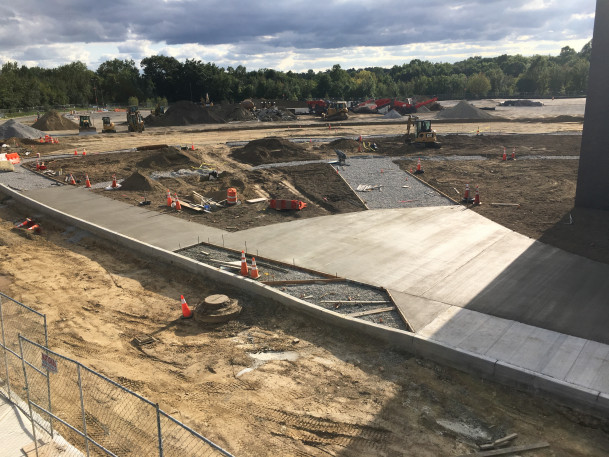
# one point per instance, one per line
(260, 358)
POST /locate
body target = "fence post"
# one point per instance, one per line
(27, 391)
(82, 407)
(158, 426)
(46, 345)
(8, 383)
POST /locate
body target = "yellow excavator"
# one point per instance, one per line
(423, 134)
(337, 111)
(108, 125)
(135, 122)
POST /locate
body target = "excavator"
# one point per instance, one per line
(108, 125)
(135, 122)
(423, 134)
(85, 126)
(337, 111)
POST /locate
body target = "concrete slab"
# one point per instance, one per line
(15, 429)
(420, 311)
(591, 369)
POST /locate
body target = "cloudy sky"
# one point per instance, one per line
(287, 35)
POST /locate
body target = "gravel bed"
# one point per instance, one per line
(392, 193)
(23, 179)
(313, 293)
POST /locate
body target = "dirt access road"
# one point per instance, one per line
(336, 395)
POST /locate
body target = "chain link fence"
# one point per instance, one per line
(78, 411)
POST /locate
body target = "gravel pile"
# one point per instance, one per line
(392, 115)
(312, 293)
(464, 110)
(385, 173)
(14, 129)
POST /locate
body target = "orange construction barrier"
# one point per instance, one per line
(186, 312)
(281, 204)
(244, 269)
(254, 274)
(231, 196)
(13, 158)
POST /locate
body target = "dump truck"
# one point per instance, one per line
(423, 134)
(85, 126)
(135, 122)
(108, 125)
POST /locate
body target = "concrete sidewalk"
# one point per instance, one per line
(15, 429)
(460, 278)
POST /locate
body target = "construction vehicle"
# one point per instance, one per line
(135, 122)
(337, 111)
(423, 134)
(108, 125)
(85, 126)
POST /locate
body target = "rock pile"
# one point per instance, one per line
(464, 110)
(14, 129)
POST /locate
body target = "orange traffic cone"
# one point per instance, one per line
(329, 127)
(87, 182)
(466, 197)
(419, 170)
(192, 146)
(477, 197)
(254, 271)
(186, 312)
(178, 206)
(71, 180)
(37, 165)
(169, 199)
(244, 269)
(514, 153)
(84, 152)
(114, 183)
(75, 152)
(25, 223)
(504, 155)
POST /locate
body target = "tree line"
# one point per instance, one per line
(162, 79)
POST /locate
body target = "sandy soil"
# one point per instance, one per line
(338, 396)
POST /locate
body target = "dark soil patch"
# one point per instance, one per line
(271, 150)
(138, 182)
(186, 113)
(168, 159)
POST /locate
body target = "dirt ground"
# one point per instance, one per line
(340, 395)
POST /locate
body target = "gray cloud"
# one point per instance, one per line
(256, 27)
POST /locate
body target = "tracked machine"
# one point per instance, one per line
(337, 111)
(423, 135)
(85, 126)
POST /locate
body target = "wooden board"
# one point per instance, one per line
(508, 450)
(372, 311)
(190, 206)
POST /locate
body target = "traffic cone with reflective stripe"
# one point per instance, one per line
(71, 180)
(37, 165)
(186, 312)
(504, 155)
(477, 197)
(84, 152)
(513, 153)
(466, 197)
(419, 170)
(169, 199)
(75, 152)
(244, 269)
(254, 274)
(178, 206)
(87, 182)
(114, 183)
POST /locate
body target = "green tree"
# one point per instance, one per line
(478, 85)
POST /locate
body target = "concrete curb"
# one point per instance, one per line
(489, 368)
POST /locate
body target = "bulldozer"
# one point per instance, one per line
(108, 125)
(85, 126)
(337, 111)
(135, 122)
(423, 134)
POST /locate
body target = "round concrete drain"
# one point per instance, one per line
(217, 308)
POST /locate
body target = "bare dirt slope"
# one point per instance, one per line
(339, 395)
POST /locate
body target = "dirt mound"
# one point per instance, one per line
(52, 120)
(271, 150)
(240, 114)
(272, 114)
(15, 129)
(344, 144)
(185, 113)
(168, 159)
(137, 181)
(464, 110)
